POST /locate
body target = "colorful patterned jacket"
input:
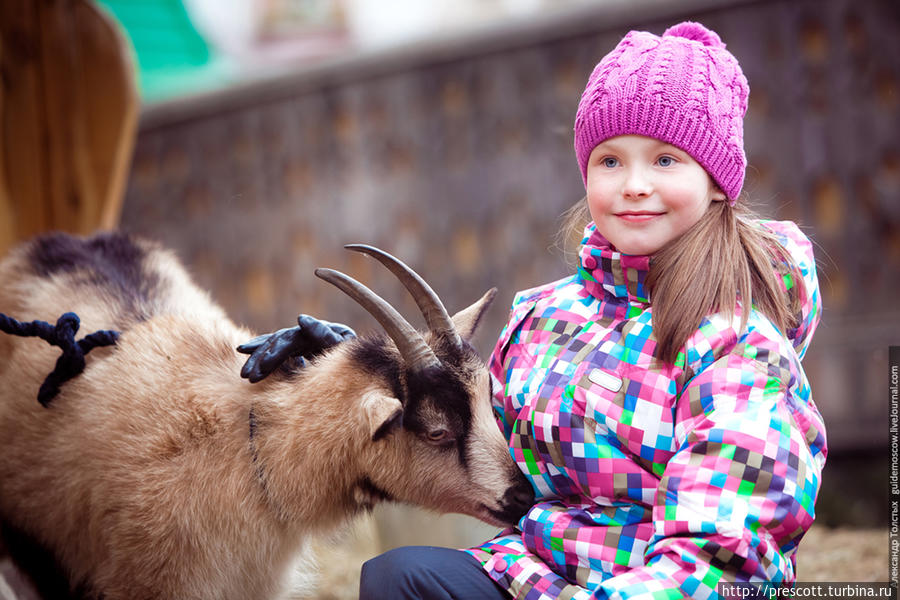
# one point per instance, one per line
(647, 487)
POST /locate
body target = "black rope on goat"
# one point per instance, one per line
(71, 363)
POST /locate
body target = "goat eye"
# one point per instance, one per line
(438, 435)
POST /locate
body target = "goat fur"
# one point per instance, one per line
(159, 473)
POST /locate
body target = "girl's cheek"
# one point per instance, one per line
(688, 200)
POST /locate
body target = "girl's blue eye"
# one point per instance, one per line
(610, 162)
(665, 161)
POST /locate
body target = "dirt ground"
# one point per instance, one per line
(849, 555)
(846, 555)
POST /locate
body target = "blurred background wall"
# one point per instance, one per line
(455, 153)
(274, 133)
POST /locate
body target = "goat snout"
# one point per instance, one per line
(517, 499)
(520, 496)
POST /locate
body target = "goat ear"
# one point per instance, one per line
(466, 320)
(384, 414)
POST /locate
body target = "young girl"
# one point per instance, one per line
(655, 398)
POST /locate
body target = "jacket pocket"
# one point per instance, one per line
(631, 409)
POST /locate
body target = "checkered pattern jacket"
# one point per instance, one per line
(647, 487)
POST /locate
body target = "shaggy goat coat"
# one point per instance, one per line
(160, 473)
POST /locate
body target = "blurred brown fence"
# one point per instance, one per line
(457, 156)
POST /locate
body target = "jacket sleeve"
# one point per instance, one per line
(738, 495)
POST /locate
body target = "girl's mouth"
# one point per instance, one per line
(638, 217)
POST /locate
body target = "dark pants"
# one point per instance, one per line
(427, 573)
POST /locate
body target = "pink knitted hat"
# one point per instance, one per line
(683, 88)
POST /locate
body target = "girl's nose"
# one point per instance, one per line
(637, 185)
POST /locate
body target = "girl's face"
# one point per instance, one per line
(643, 193)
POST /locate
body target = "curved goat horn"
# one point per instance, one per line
(436, 316)
(415, 352)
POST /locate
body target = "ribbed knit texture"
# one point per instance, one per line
(683, 88)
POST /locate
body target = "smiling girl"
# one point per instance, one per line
(655, 399)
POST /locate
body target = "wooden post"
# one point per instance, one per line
(68, 118)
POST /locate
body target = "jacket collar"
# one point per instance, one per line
(607, 272)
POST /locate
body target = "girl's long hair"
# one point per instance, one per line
(723, 260)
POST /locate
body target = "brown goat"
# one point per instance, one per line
(159, 473)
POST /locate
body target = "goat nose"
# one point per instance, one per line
(517, 500)
(521, 495)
